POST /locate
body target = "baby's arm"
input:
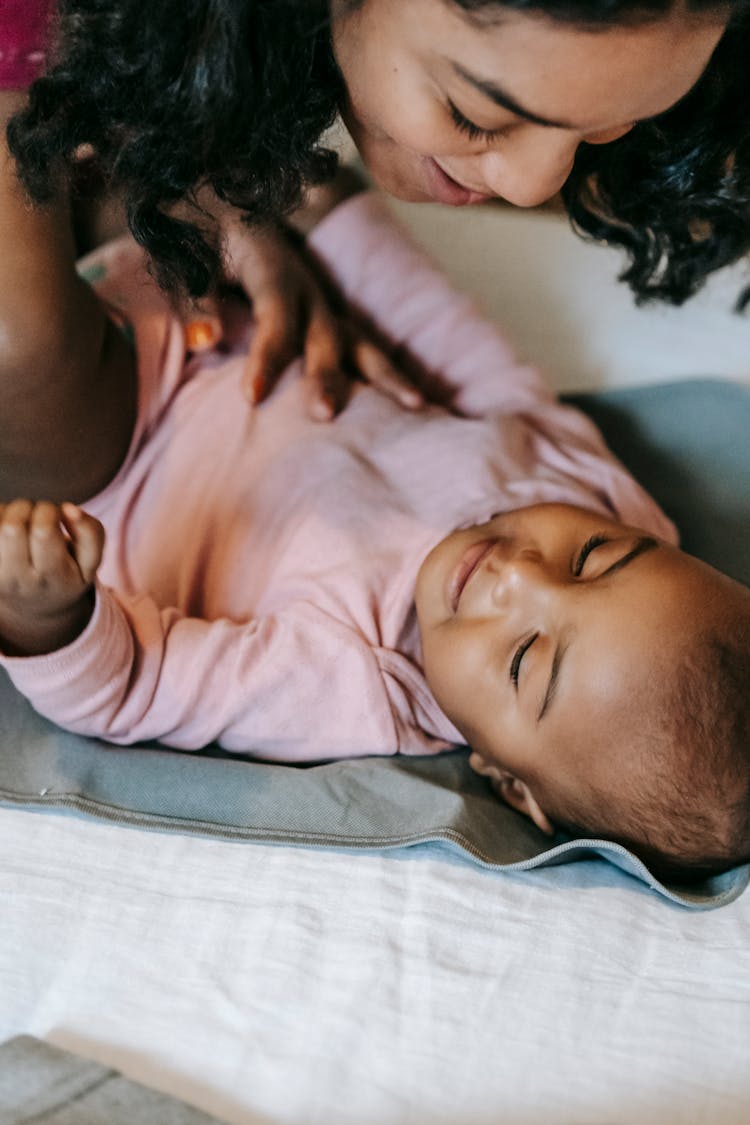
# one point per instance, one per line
(49, 556)
(293, 686)
(67, 375)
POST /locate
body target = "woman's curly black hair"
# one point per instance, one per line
(173, 95)
(674, 192)
(235, 94)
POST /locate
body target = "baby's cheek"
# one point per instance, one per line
(440, 671)
(457, 674)
(428, 595)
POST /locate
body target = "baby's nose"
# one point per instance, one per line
(524, 576)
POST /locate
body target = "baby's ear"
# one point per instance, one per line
(513, 791)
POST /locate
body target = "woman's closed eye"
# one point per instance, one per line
(472, 131)
(515, 664)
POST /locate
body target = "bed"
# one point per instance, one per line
(409, 985)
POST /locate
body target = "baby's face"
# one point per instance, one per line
(545, 632)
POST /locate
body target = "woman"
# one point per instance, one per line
(198, 112)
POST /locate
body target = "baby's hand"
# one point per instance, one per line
(49, 555)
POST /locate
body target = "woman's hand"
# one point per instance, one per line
(295, 315)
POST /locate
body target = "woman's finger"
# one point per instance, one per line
(274, 345)
(374, 366)
(327, 382)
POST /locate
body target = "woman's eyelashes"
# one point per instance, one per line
(515, 664)
(468, 128)
(590, 545)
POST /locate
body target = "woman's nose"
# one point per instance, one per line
(530, 166)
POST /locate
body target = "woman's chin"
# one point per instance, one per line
(403, 187)
(397, 171)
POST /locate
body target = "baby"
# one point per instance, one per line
(483, 572)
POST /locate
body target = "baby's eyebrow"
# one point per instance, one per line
(643, 544)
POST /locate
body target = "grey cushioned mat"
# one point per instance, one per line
(44, 1085)
(687, 442)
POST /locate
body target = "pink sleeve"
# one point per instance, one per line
(394, 283)
(298, 685)
(24, 26)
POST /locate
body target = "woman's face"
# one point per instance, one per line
(448, 106)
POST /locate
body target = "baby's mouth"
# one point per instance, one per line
(467, 565)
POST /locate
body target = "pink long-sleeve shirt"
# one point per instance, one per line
(258, 580)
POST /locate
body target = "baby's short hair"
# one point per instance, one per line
(684, 806)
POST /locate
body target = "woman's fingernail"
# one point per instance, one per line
(324, 409)
(72, 511)
(201, 335)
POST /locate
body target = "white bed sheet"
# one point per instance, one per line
(266, 984)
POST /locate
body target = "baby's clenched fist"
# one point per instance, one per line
(49, 556)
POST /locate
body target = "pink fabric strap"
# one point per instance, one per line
(23, 41)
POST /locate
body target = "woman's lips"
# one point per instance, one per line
(467, 564)
(444, 189)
